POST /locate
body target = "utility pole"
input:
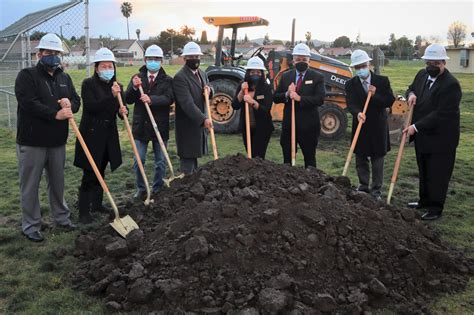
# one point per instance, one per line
(87, 39)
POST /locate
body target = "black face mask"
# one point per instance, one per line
(254, 79)
(193, 64)
(51, 61)
(433, 71)
(301, 66)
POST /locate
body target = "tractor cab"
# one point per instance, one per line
(226, 72)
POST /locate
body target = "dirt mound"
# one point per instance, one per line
(257, 237)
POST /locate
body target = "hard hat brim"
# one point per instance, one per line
(360, 62)
(192, 54)
(255, 68)
(435, 58)
(49, 48)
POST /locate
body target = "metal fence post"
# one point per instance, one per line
(9, 112)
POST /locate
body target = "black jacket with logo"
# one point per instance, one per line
(37, 93)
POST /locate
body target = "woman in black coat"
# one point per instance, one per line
(260, 100)
(99, 129)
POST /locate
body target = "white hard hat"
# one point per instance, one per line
(154, 51)
(191, 49)
(104, 54)
(51, 41)
(435, 52)
(255, 63)
(359, 57)
(301, 50)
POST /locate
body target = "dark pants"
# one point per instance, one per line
(259, 141)
(308, 142)
(188, 165)
(435, 170)
(363, 172)
(89, 179)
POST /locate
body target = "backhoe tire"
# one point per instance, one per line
(225, 118)
(333, 122)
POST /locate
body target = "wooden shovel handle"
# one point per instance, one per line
(134, 148)
(356, 136)
(158, 135)
(247, 126)
(73, 124)
(293, 134)
(211, 131)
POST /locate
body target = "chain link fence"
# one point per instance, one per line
(18, 42)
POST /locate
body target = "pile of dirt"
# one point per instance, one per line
(257, 237)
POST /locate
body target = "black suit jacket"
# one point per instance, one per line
(191, 136)
(312, 95)
(374, 136)
(437, 119)
(161, 95)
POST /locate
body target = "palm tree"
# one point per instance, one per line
(126, 9)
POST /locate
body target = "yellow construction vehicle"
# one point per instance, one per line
(226, 73)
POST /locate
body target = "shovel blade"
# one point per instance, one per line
(168, 181)
(124, 225)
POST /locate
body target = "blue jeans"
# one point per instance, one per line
(160, 165)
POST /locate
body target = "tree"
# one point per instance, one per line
(126, 9)
(246, 38)
(342, 41)
(358, 38)
(277, 42)
(187, 31)
(456, 33)
(204, 38)
(36, 35)
(266, 40)
(418, 42)
(308, 38)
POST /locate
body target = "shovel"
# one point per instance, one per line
(247, 127)
(293, 134)
(135, 151)
(124, 225)
(399, 156)
(162, 144)
(211, 131)
(356, 136)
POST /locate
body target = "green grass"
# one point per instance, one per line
(33, 281)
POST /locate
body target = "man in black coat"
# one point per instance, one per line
(373, 142)
(306, 87)
(436, 95)
(46, 100)
(158, 92)
(191, 113)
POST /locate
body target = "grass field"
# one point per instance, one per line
(34, 281)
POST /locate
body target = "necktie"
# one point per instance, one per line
(299, 82)
(151, 80)
(366, 86)
(198, 77)
(428, 83)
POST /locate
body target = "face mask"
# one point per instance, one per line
(362, 72)
(301, 66)
(433, 71)
(153, 65)
(106, 75)
(193, 63)
(253, 79)
(51, 61)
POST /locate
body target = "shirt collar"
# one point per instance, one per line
(368, 79)
(431, 78)
(153, 74)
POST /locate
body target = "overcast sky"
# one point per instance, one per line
(326, 20)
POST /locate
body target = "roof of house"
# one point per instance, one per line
(336, 51)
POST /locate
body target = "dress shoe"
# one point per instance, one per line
(35, 236)
(67, 227)
(378, 198)
(414, 205)
(363, 189)
(430, 216)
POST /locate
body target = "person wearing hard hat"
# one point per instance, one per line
(158, 89)
(46, 100)
(436, 95)
(374, 141)
(99, 130)
(260, 100)
(191, 114)
(306, 87)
